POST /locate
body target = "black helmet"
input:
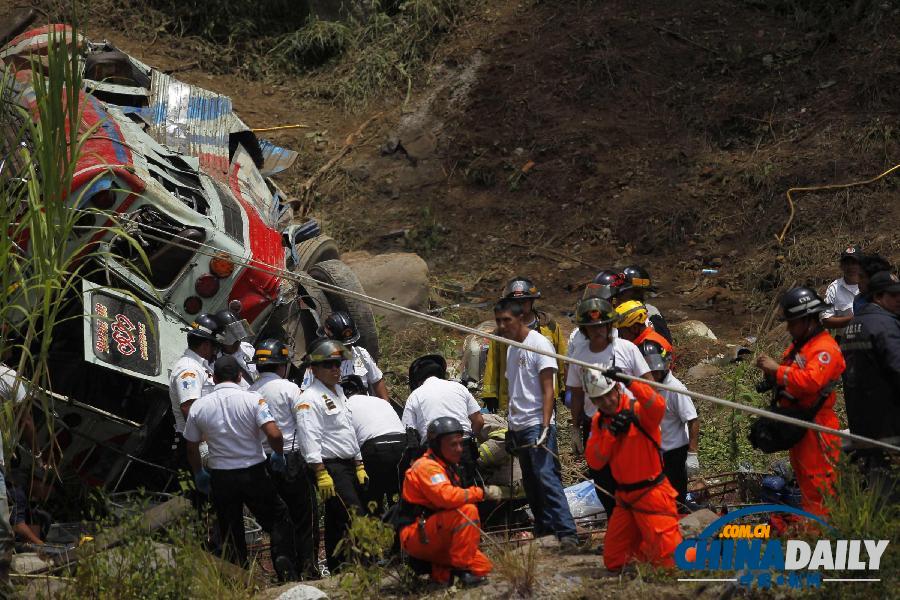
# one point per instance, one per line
(424, 367)
(340, 326)
(204, 327)
(637, 278)
(595, 311)
(353, 385)
(231, 328)
(272, 352)
(521, 288)
(325, 349)
(801, 302)
(439, 428)
(656, 356)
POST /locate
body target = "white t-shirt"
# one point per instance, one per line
(325, 425)
(523, 369)
(230, 420)
(361, 364)
(189, 379)
(577, 339)
(282, 396)
(373, 417)
(620, 353)
(7, 387)
(438, 398)
(841, 294)
(679, 410)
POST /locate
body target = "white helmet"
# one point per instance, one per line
(595, 383)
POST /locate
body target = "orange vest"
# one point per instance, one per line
(632, 457)
(651, 334)
(818, 363)
(429, 482)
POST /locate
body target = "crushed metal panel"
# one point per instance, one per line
(119, 335)
(275, 158)
(253, 187)
(192, 121)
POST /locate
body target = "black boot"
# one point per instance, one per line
(285, 569)
(466, 578)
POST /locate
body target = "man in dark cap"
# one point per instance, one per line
(230, 420)
(871, 348)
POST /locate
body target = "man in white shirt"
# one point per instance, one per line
(680, 427)
(841, 293)
(190, 377)
(232, 421)
(382, 441)
(595, 318)
(433, 396)
(272, 360)
(328, 442)
(532, 425)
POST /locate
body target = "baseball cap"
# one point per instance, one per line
(884, 281)
(852, 253)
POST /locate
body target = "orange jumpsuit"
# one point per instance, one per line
(448, 539)
(644, 525)
(818, 363)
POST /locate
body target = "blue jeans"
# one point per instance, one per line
(542, 483)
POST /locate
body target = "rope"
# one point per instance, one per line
(819, 188)
(307, 280)
(279, 128)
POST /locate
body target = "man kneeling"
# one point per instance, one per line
(446, 529)
(625, 434)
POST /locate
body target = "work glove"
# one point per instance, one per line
(279, 464)
(494, 493)
(542, 439)
(577, 441)
(692, 463)
(203, 481)
(361, 476)
(325, 484)
(621, 423)
(615, 373)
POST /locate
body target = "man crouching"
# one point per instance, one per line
(625, 434)
(445, 530)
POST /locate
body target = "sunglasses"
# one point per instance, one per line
(330, 364)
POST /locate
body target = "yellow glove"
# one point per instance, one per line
(362, 476)
(325, 484)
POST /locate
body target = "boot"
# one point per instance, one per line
(284, 568)
(466, 578)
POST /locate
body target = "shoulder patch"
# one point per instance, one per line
(438, 478)
(262, 401)
(303, 406)
(824, 358)
(187, 375)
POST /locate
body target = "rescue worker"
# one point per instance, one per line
(233, 335)
(632, 326)
(625, 435)
(805, 378)
(871, 349)
(635, 287)
(328, 442)
(230, 420)
(680, 427)
(272, 359)
(382, 440)
(495, 390)
(340, 326)
(191, 377)
(596, 319)
(869, 264)
(603, 286)
(532, 423)
(441, 524)
(841, 292)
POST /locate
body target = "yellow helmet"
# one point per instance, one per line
(631, 313)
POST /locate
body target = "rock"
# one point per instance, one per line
(565, 265)
(702, 371)
(27, 562)
(401, 278)
(693, 329)
(302, 592)
(693, 524)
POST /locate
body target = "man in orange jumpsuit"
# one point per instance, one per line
(805, 378)
(632, 325)
(625, 434)
(446, 528)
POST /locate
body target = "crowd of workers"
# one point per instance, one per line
(284, 445)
